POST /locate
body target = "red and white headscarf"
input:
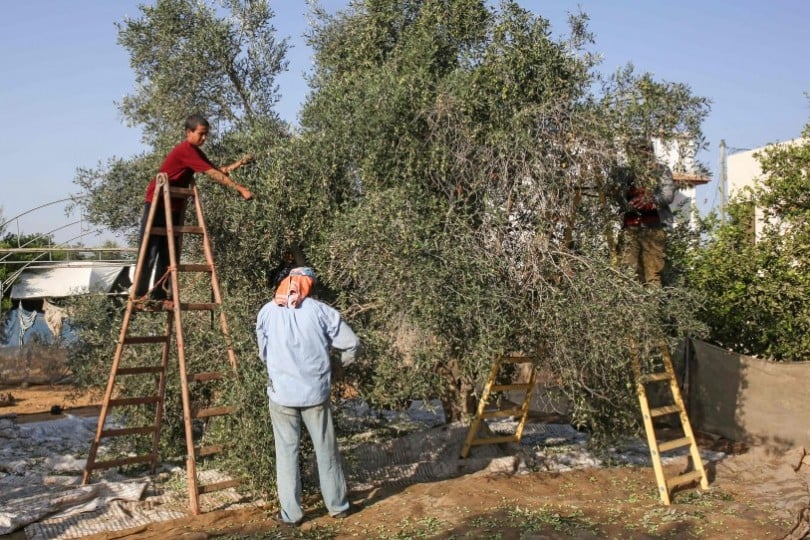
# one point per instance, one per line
(295, 287)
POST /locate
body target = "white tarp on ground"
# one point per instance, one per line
(66, 280)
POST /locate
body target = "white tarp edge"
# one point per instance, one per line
(65, 281)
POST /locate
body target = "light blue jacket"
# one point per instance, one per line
(294, 344)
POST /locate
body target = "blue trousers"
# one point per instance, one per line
(287, 434)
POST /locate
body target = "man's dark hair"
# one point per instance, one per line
(195, 120)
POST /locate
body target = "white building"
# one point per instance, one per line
(744, 171)
(679, 156)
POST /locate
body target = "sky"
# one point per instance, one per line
(62, 74)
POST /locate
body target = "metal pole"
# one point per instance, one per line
(723, 180)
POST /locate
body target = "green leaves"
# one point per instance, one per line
(757, 289)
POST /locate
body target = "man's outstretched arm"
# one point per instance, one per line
(220, 176)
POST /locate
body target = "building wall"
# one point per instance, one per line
(744, 171)
(679, 156)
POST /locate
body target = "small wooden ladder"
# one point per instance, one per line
(174, 309)
(666, 485)
(489, 388)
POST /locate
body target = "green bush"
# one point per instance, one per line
(757, 290)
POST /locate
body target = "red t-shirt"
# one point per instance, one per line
(180, 164)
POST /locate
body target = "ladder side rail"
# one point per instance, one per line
(105, 404)
(119, 350)
(482, 403)
(215, 288)
(525, 406)
(649, 429)
(686, 425)
(161, 404)
(191, 466)
(145, 240)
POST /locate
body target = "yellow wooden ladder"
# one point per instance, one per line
(664, 373)
(491, 387)
(142, 359)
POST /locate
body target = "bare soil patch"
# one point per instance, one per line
(37, 401)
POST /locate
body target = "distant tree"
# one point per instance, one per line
(758, 292)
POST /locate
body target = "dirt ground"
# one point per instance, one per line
(39, 402)
(620, 502)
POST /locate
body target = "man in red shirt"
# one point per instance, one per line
(180, 164)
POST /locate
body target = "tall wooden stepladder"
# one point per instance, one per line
(173, 309)
(665, 373)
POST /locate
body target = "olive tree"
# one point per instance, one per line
(465, 157)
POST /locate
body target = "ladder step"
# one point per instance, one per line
(185, 192)
(673, 444)
(684, 479)
(188, 267)
(128, 431)
(495, 440)
(139, 340)
(213, 411)
(202, 451)
(120, 462)
(653, 377)
(178, 229)
(506, 387)
(219, 486)
(663, 411)
(134, 401)
(139, 370)
(502, 413)
(207, 376)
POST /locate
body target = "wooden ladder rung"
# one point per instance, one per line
(134, 401)
(202, 451)
(121, 462)
(178, 229)
(495, 440)
(206, 376)
(507, 387)
(184, 192)
(140, 340)
(128, 431)
(212, 411)
(653, 377)
(188, 267)
(684, 479)
(663, 411)
(139, 370)
(218, 486)
(673, 444)
(502, 413)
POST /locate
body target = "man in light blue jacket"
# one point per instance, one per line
(294, 334)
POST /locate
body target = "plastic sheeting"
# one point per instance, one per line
(69, 280)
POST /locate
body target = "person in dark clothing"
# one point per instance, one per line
(648, 191)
